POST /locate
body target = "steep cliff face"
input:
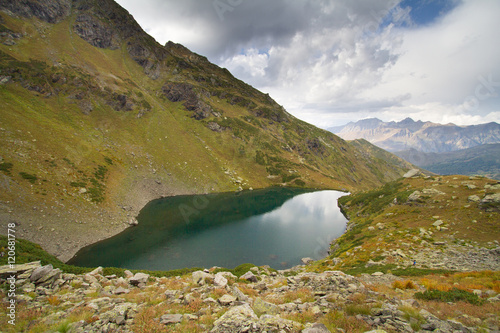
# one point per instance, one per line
(98, 119)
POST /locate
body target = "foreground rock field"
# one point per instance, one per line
(261, 300)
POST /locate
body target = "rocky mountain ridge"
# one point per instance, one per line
(426, 137)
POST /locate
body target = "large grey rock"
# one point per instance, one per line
(491, 202)
(238, 319)
(261, 307)
(415, 196)
(306, 261)
(168, 319)
(40, 273)
(411, 173)
(249, 276)
(98, 271)
(270, 323)
(226, 300)
(474, 198)
(220, 280)
(201, 278)
(317, 328)
(438, 223)
(49, 279)
(139, 279)
(6, 270)
(239, 295)
(120, 290)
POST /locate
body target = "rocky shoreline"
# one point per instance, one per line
(52, 224)
(216, 301)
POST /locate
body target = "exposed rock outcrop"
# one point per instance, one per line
(51, 11)
(186, 93)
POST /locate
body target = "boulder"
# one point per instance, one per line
(120, 291)
(139, 279)
(438, 223)
(238, 319)
(261, 307)
(270, 323)
(491, 202)
(306, 261)
(226, 300)
(411, 173)
(239, 295)
(49, 279)
(249, 276)
(415, 196)
(220, 280)
(317, 328)
(40, 272)
(201, 278)
(474, 198)
(97, 271)
(6, 270)
(169, 319)
(128, 274)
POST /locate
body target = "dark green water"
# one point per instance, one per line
(275, 227)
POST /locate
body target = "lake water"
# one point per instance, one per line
(275, 227)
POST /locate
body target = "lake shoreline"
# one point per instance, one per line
(320, 244)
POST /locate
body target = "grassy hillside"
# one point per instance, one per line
(440, 222)
(98, 119)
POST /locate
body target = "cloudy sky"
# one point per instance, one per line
(329, 62)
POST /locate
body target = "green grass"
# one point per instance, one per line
(238, 270)
(454, 295)
(391, 268)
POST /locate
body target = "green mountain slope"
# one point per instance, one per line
(97, 119)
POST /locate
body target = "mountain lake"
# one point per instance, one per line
(274, 226)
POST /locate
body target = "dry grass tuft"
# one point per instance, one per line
(404, 285)
(351, 324)
(53, 300)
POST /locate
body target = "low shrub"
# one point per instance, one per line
(453, 295)
(31, 178)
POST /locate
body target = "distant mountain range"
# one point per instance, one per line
(443, 149)
(425, 137)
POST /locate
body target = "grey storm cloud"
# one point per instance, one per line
(333, 61)
(229, 25)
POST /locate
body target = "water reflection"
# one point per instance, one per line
(275, 227)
